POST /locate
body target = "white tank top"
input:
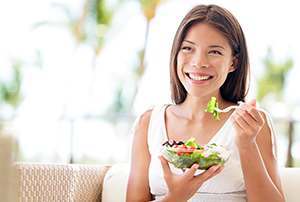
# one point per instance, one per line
(226, 186)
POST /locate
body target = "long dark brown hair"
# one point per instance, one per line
(236, 84)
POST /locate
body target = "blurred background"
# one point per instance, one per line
(74, 74)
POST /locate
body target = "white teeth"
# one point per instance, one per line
(198, 78)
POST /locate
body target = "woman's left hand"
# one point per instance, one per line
(248, 122)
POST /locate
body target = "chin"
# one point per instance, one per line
(197, 93)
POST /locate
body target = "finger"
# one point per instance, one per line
(256, 114)
(206, 174)
(245, 116)
(190, 172)
(253, 111)
(237, 121)
(237, 125)
(218, 171)
(219, 168)
(241, 123)
(234, 122)
(165, 166)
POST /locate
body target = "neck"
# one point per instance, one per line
(193, 107)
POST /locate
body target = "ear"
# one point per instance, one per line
(234, 62)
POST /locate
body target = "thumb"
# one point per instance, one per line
(165, 166)
(190, 172)
(253, 102)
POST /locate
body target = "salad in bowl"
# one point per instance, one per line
(184, 154)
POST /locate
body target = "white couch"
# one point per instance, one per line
(65, 182)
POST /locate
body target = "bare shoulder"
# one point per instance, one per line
(143, 121)
(140, 130)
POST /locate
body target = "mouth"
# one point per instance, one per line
(198, 77)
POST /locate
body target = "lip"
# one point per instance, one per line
(197, 82)
(198, 73)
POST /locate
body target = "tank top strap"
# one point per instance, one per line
(156, 135)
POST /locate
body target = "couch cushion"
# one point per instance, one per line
(116, 179)
(59, 182)
(115, 183)
(89, 182)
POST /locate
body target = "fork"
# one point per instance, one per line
(227, 109)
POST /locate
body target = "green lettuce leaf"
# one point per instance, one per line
(212, 107)
(192, 143)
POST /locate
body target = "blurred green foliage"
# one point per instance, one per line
(88, 26)
(10, 90)
(125, 93)
(273, 79)
(149, 8)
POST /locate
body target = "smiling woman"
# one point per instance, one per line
(209, 58)
(203, 60)
(209, 44)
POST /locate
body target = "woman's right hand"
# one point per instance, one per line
(183, 187)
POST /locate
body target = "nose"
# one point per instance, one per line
(199, 60)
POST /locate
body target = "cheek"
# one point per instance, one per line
(222, 65)
(217, 62)
(180, 60)
(180, 73)
(179, 69)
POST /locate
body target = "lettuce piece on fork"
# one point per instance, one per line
(212, 107)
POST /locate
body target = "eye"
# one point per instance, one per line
(186, 49)
(215, 52)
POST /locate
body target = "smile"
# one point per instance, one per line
(198, 77)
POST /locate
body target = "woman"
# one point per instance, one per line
(209, 58)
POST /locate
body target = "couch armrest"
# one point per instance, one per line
(115, 183)
(59, 182)
(290, 178)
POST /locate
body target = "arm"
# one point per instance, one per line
(257, 159)
(138, 183)
(180, 187)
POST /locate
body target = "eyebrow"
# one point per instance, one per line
(211, 46)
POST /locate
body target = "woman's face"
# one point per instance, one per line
(204, 60)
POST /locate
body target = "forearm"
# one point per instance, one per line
(259, 185)
(169, 198)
